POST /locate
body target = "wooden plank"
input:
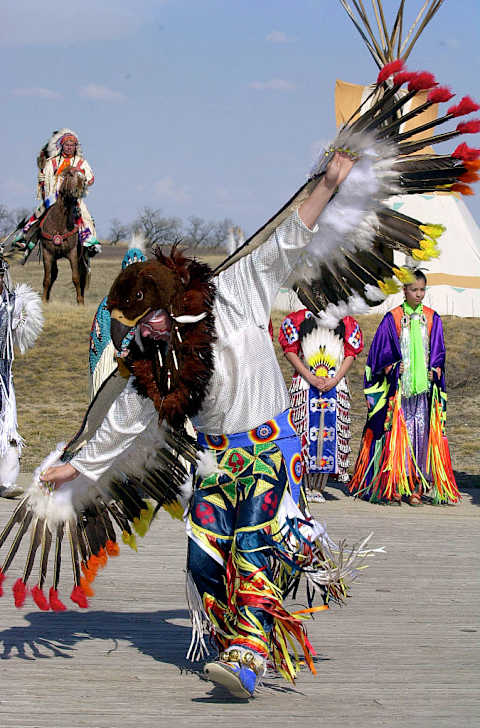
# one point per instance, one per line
(404, 651)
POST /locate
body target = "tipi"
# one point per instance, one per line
(454, 277)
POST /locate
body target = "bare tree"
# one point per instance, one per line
(118, 231)
(4, 220)
(9, 219)
(157, 230)
(21, 215)
(198, 233)
(202, 233)
(221, 233)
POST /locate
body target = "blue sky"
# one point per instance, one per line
(198, 107)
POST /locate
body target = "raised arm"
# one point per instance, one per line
(252, 283)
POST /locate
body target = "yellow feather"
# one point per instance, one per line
(419, 255)
(130, 540)
(142, 524)
(433, 231)
(404, 275)
(388, 286)
(174, 509)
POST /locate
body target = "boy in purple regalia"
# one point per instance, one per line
(404, 450)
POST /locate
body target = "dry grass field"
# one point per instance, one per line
(52, 379)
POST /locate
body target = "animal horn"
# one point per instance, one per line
(186, 319)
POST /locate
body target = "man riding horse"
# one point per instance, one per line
(61, 152)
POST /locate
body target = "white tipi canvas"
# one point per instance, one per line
(453, 279)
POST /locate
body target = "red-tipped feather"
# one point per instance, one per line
(403, 77)
(468, 154)
(422, 81)
(469, 176)
(89, 574)
(102, 557)
(465, 106)
(113, 549)
(469, 127)
(389, 70)
(19, 590)
(474, 165)
(86, 587)
(2, 579)
(440, 95)
(78, 596)
(93, 563)
(40, 599)
(55, 602)
(463, 189)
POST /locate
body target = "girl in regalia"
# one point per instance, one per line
(319, 394)
(404, 451)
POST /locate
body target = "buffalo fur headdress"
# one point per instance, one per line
(173, 374)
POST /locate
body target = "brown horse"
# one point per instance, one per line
(57, 232)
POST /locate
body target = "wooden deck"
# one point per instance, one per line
(404, 651)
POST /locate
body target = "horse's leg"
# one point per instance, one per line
(54, 275)
(48, 261)
(73, 258)
(84, 270)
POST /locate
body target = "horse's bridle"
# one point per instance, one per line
(57, 238)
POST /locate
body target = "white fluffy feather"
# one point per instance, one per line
(357, 305)
(348, 222)
(207, 464)
(330, 318)
(62, 504)
(186, 492)
(322, 338)
(373, 293)
(10, 465)
(138, 241)
(27, 319)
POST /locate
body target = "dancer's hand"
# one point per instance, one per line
(401, 368)
(59, 474)
(329, 383)
(338, 169)
(315, 381)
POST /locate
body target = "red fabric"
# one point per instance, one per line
(353, 337)
(289, 334)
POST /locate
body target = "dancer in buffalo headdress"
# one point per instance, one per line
(242, 552)
(404, 451)
(196, 344)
